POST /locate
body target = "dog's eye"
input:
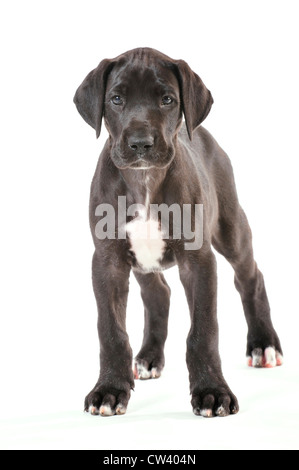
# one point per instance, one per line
(166, 100)
(117, 100)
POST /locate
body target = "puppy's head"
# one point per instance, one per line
(142, 95)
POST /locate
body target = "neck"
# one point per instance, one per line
(143, 186)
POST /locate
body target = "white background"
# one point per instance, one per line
(246, 52)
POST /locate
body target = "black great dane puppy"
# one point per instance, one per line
(152, 158)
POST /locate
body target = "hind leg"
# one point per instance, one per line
(155, 294)
(234, 241)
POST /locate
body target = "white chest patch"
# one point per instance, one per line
(146, 242)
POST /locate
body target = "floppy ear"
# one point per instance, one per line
(196, 98)
(89, 97)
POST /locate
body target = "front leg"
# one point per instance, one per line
(155, 293)
(211, 395)
(111, 283)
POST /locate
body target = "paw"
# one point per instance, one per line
(214, 402)
(102, 402)
(143, 370)
(268, 357)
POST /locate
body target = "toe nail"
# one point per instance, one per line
(221, 411)
(93, 410)
(105, 410)
(206, 413)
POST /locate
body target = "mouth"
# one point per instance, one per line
(141, 165)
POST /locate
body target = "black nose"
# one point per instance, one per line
(141, 145)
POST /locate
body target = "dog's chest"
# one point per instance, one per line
(145, 236)
(146, 242)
